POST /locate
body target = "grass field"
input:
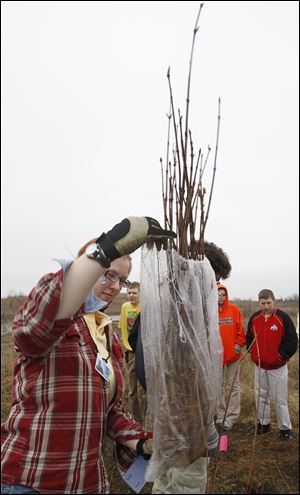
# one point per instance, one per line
(269, 466)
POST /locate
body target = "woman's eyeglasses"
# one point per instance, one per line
(113, 277)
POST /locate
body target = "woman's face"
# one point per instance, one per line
(105, 289)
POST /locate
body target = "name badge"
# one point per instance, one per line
(102, 367)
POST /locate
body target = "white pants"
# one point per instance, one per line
(274, 383)
(192, 479)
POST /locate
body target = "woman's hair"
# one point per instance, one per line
(83, 248)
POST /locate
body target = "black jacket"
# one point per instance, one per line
(135, 342)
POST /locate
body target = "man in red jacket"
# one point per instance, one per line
(273, 340)
(233, 339)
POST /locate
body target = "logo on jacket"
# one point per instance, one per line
(274, 328)
(226, 321)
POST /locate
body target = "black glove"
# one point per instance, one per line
(130, 234)
(144, 447)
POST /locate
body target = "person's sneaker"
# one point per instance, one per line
(260, 429)
(227, 425)
(286, 434)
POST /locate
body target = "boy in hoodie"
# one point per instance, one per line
(233, 339)
(275, 343)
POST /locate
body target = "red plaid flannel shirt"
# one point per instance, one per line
(53, 438)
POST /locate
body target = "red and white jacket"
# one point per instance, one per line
(276, 339)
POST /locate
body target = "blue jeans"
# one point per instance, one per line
(17, 489)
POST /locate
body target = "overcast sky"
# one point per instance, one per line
(84, 104)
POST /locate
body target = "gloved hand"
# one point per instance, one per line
(237, 348)
(144, 447)
(130, 234)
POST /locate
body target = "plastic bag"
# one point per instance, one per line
(183, 355)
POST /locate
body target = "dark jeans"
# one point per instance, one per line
(17, 489)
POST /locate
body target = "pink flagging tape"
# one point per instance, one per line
(223, 443)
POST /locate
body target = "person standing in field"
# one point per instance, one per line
(68, 378)
(137, 398)
(233, 339)
(273, 340)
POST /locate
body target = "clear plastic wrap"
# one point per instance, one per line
(183, 355)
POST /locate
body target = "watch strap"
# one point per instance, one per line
(108, 248)
(99, 256)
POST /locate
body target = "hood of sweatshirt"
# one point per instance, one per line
(231, 329)
(226, 302)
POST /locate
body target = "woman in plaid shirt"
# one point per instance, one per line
(68, 382)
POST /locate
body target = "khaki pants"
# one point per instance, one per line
(231, 374)
(137, 397)
(192, 479)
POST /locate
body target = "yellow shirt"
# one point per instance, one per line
(129, 313)
(96, 323)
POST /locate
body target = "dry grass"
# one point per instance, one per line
(10, 306)
(275, 463)
(8, 356)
